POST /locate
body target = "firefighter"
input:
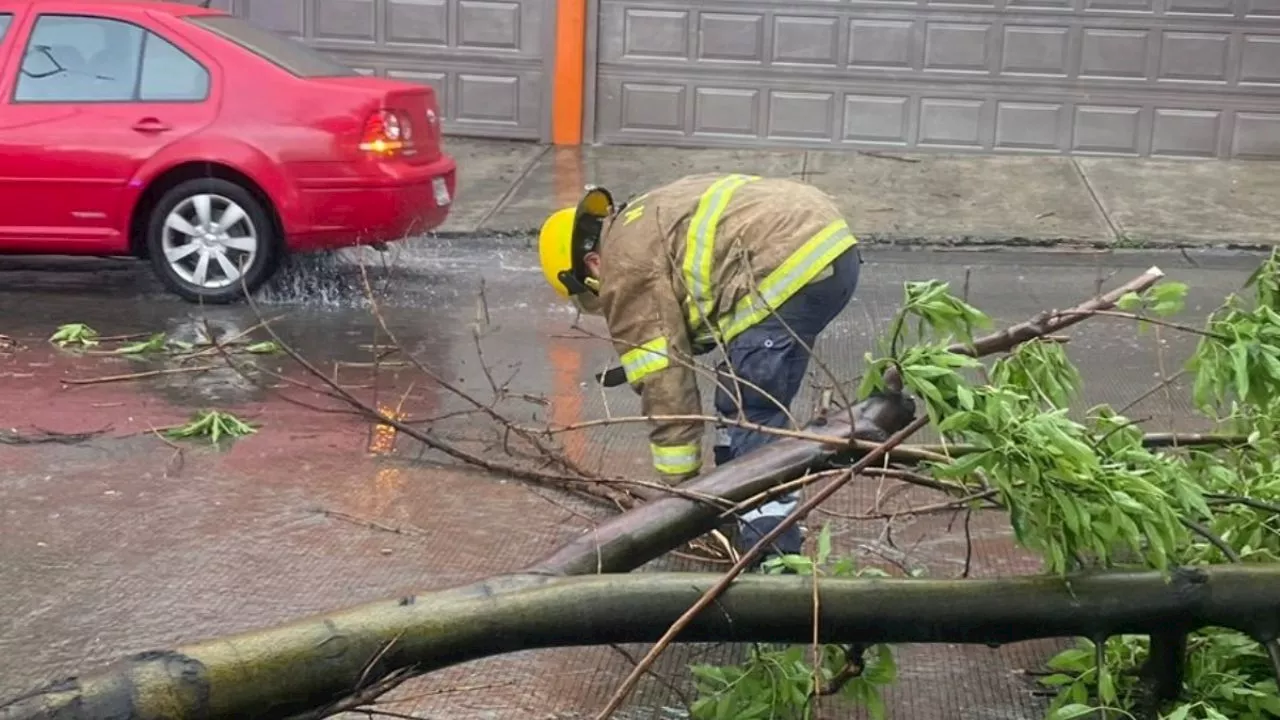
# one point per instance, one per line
(754, 266)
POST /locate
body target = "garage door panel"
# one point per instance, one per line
(486, 59)
(1125, 77)
(1256, 135)
(354, 21)
(964, 118)
(283, 16)
(1120, 52)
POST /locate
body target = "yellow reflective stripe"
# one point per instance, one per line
(700, 245)
(645, 360)
(817, 253)
(676, 459)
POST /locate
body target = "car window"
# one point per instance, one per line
(74, 58)
(290, 55)
(78, 58)
(168, 73)
(5, 20)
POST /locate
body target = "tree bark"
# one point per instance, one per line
(295, 667)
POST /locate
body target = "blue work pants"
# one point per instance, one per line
(773, 356)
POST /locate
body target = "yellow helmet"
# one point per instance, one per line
(567, 236)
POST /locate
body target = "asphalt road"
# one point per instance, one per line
(122, 542)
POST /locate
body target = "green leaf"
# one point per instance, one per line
(703, 708)
(1074, 710)
(875, 703)
(1270, 703)
(1106, 689)
(1179, 714)
(1077, 659)
(263, 348)
(798, 564)
(824, 544)
(1129, 301)
(1240, 363)
(155, 343)
(1168, 296)
(884, 670)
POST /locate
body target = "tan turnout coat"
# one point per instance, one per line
(688, 266)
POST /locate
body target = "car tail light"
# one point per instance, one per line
(387, 132)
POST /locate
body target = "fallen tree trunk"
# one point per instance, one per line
(292, 668)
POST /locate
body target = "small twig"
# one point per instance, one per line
(1218, 499)
(817, 610)
(179, 453)
(886, 156)
(373, 524)
(49, 437)
(136, 376)
(359, 698)
(1213, 539)
(916, 478)
(853, 667)
(779, 490)
(1142, 318)
(664, 681)
(374, 711)
(1152, 391)
(968, 543)
(948, 506)
(442, 691)
(214, 342)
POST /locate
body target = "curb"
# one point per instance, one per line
(527, 239)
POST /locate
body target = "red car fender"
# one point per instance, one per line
(234, 154)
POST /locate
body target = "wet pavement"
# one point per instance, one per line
(124, 543)
(930, 199)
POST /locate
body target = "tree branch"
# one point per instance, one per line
(317, 661)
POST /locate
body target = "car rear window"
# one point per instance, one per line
(291, 55)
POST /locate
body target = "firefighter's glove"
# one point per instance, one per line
(612, 377)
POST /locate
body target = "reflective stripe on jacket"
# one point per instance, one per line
(688, 266)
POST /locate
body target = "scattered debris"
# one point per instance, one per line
(887, 156)
(137, 375)
(372, 524)
(74, 334)
(153, 344)
(42, 436)
(213, 424)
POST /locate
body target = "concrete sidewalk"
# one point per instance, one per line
(510, 187)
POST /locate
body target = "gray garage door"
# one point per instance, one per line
(1112, 77)
(485, 58)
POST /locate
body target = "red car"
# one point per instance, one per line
(203, 143)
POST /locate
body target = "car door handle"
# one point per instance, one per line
(150, 125)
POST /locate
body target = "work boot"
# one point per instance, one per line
(791, 542)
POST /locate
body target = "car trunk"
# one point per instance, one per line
(415, 102)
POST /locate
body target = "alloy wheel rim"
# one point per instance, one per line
(209, 240)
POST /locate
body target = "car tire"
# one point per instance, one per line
(205, 255)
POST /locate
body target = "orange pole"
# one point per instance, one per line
(566, 90)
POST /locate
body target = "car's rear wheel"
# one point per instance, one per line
(210, 240)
